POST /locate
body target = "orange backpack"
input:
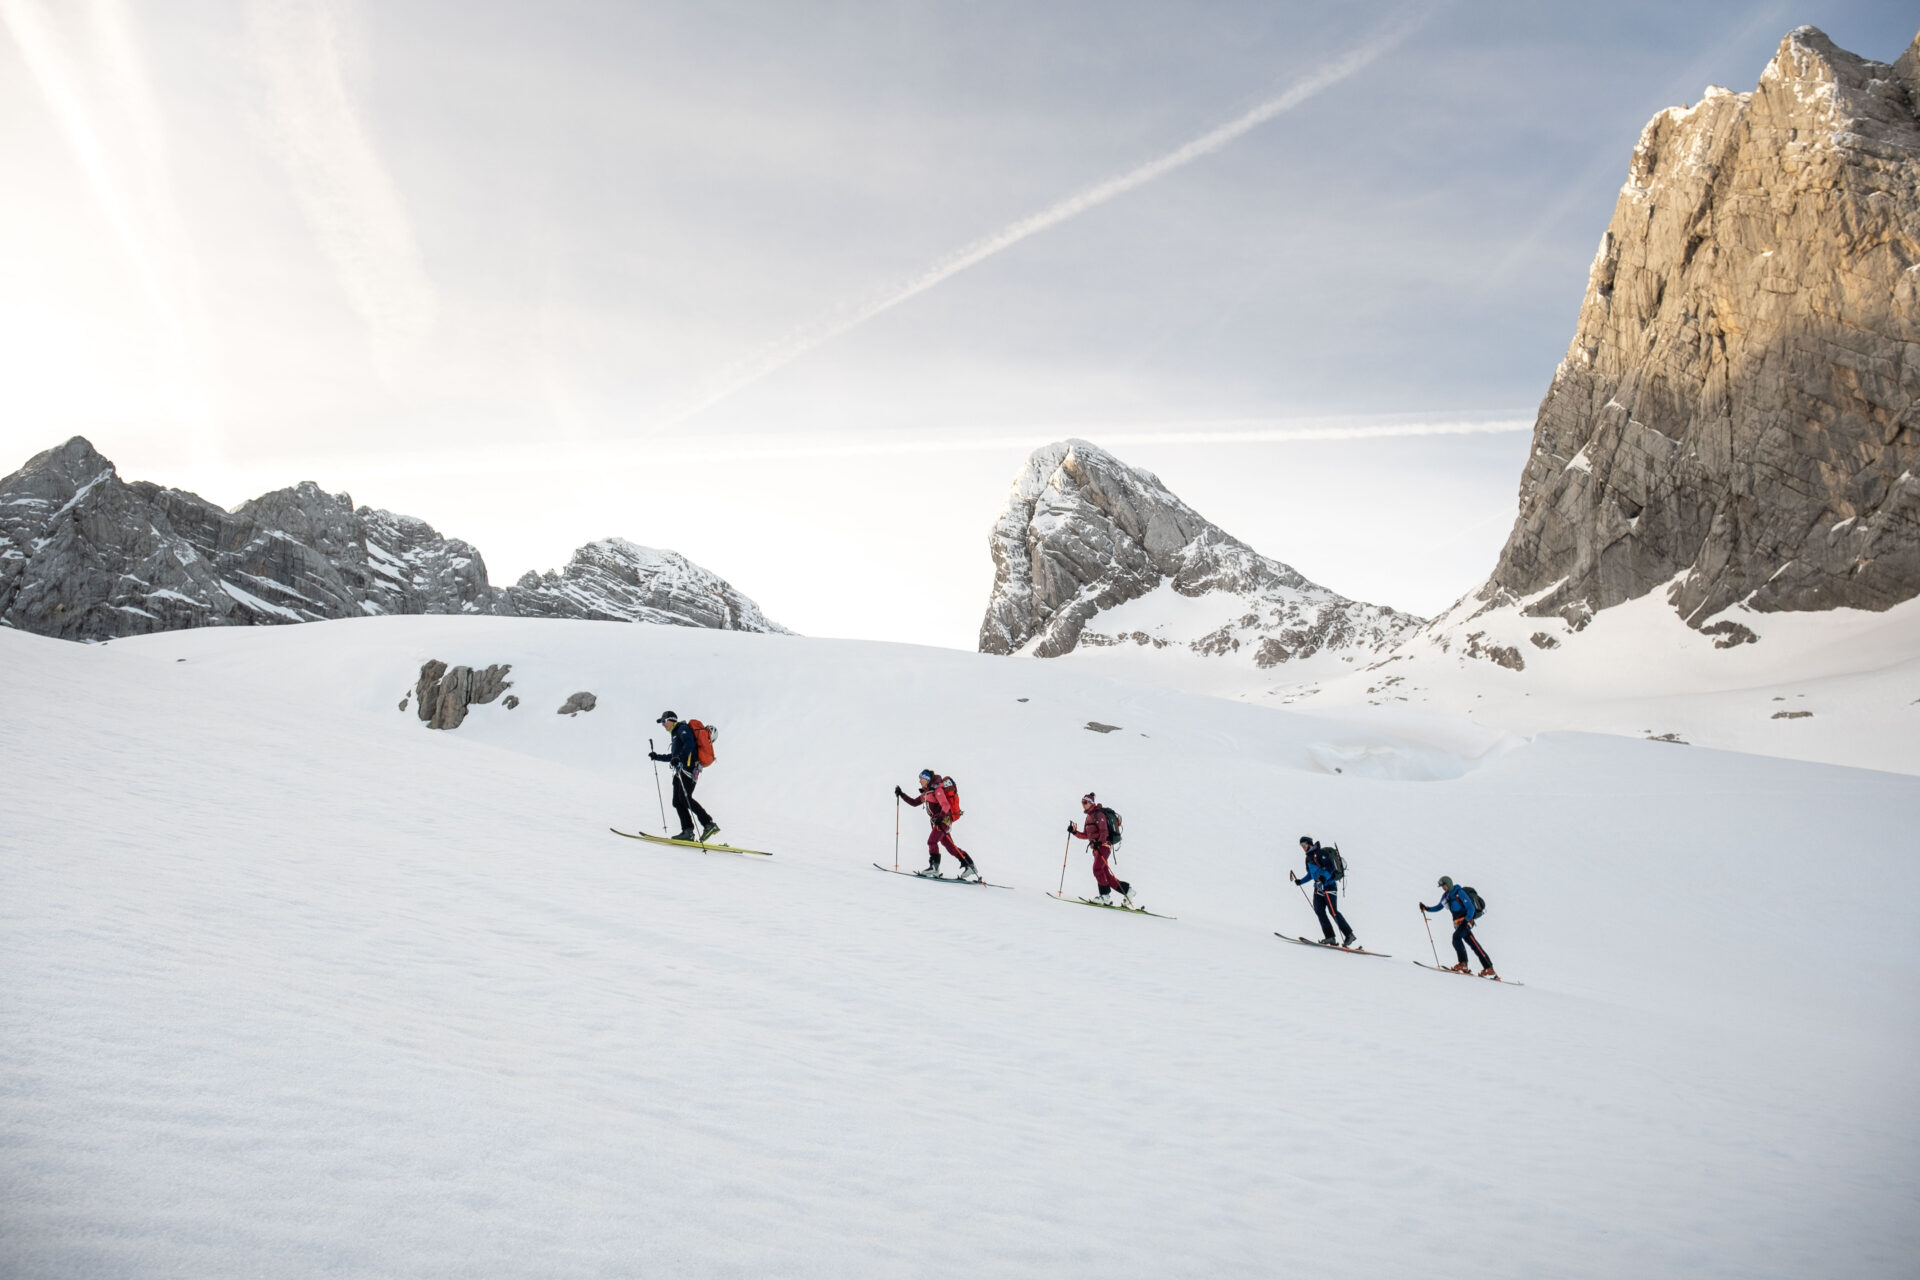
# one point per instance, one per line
(703, 736)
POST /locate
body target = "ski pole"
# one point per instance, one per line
(896, 829)
(1428, 921)
(1064, 851)
(656, 789)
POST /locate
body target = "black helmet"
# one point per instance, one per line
(667, 717)
(1306, 839)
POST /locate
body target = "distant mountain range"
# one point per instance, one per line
(85, 555)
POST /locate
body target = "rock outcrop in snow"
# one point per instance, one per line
(85, 555)
(444, 693)
(1738, 416)
(1084, 534)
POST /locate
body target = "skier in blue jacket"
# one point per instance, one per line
(1460, 902)
(1326, 889)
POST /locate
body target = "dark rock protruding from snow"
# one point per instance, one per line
(1738, 416)
(443, 694)
(1083, 534)
(85, 555)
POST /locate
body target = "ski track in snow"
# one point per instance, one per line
(294, 986)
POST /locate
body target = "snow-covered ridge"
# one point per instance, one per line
(1092, 553)
(85, 555)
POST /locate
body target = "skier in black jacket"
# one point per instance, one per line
(683, 753)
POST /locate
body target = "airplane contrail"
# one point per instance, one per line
(616, 455)
(839, 321)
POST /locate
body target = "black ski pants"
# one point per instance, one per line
(1463, 938)
(683, 800)
(1326, 903)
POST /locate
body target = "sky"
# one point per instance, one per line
(793, 289)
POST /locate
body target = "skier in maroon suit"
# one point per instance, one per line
(1096, 834)
(941, 813)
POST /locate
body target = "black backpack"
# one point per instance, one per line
(1479, 903)
(1113, 825)
(1328, 856)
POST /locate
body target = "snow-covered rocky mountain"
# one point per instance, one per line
(85, 555)
(1094, 554)
(1736, 423)
(1718, 538)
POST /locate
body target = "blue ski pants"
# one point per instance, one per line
(1463, 938)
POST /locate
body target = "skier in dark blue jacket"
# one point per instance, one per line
(1326, 890)
(1460, 902)
(683, 753)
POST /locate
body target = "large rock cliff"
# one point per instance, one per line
(1084, 534)
(1738, 416)
(85, 555)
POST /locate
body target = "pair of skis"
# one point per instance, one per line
(1362, 951)
(689, 844)
(1110, 906)
(921, 875)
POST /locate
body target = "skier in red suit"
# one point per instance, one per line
(1096, 834)
(941, 813)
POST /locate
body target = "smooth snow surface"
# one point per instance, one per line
(291, 985)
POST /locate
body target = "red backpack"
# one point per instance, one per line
(703, 736)
(947, 797)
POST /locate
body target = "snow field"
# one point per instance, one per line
(295, 986)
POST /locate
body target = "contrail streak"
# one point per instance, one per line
(538, 459)
(839, 321)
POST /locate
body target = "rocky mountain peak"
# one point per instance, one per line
(617, 580)
(1737, 418)
(1084, 534)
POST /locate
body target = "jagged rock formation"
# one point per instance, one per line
(1738, 417)
(444, 693)
(85, 555)
(1083, 533)
(615, 580)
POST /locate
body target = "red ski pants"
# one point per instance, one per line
(941, 836)
(1102, 873)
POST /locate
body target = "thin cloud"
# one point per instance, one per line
(349, 200)
(834, 323)
(117, 105)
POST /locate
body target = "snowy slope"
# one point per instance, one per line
(1837, 687)
(295, 986)
(1841, 686)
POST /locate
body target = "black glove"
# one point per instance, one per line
(655, 755)
(898, 792)
(1070, 830)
